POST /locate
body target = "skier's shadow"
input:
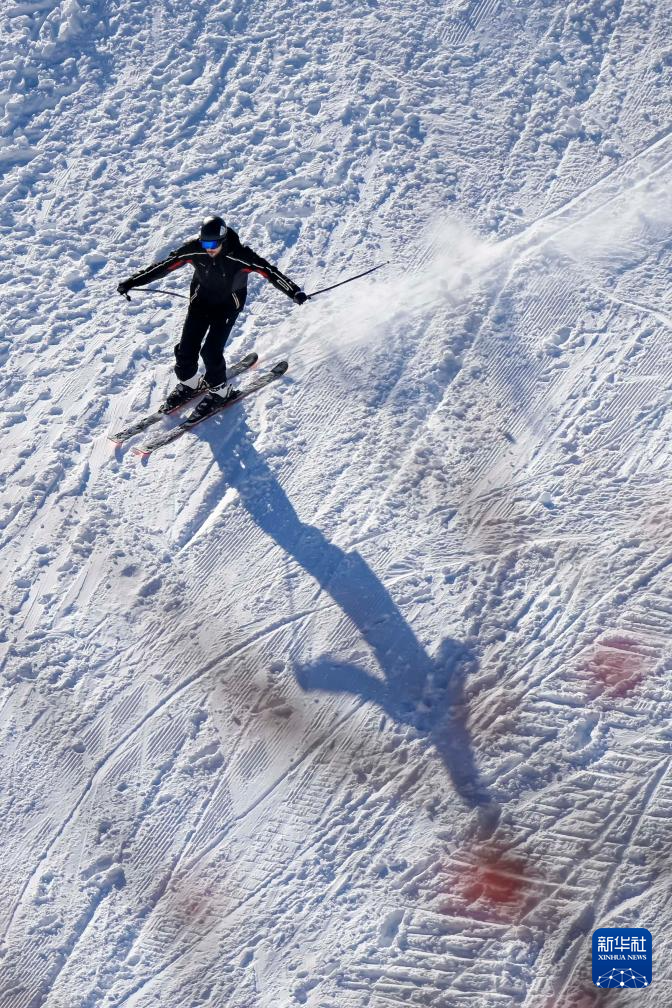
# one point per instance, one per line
(425, 693)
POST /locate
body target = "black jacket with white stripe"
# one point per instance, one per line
(217, 280)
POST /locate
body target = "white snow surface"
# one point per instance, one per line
(358, 696)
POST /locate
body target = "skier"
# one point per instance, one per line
(218, 292)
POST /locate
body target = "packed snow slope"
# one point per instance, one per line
(357, 696)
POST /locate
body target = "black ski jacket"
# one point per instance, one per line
(217, 280)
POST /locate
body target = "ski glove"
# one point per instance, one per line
(300, 297)
(123, 289)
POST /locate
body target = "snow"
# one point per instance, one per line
(357, 696)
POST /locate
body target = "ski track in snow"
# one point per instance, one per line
(261, 693)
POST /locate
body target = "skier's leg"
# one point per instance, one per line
(213, 348)
(186, 351)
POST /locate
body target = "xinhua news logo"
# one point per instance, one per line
(622, 957)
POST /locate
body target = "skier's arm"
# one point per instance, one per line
(253, 263)
(156, 271)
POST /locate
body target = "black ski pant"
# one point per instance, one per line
(206, 329)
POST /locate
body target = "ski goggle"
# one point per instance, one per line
(211, 244)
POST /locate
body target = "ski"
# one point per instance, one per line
(256, 383)
(128, 432)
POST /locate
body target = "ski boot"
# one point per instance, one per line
(212, 402)
(181, 394)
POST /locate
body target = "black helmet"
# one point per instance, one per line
(213, 229)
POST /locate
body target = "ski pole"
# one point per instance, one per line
(155, 290)
(349, 280)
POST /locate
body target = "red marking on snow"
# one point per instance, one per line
(616, 667)
(187, 901)
(192, 907)
(495, 880)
